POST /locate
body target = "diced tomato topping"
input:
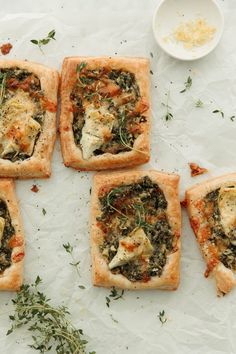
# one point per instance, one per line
(195, 223)
(18, 257)
(15, 241)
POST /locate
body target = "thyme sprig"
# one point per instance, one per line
(114, 295)
(123, 135)
(110, 198)
(70, 249)
(187, 84)
(162, 317)
(168, 115)
(44, 41)
(3, 80)
(49, 325)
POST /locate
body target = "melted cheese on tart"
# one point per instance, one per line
(227, 208)
(2, 225)
(96, 130)
(132, 247)
(18, 130)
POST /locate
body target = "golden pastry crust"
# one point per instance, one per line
(12, 277)
(39, 164)
(72, 154)
(102, 276)
(225, 278)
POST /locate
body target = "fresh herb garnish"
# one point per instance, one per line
(151, 54)
(44, 211)
(219, 111)
(123, 135)
(49, 325)
(113, 319)
(114, 295)
(81, 66)
(199, 104)
(69, 249)
(232, 118)
(168, 114)
(3, 78)
(44, 41)
(187, 84)
(151, 72)
(162, 317)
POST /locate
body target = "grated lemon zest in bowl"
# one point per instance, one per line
(194, 33)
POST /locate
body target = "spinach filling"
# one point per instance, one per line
(128, 207)
(12, 79)
(8, 232)
(119, 93)
(225, 243)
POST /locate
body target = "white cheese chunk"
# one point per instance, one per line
(227, 208)
(2, 225)
(18, 129)
(96, 130)
(132, 247)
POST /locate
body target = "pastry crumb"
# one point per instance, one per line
(196, 169)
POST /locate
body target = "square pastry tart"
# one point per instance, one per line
(11, 238)
(212, 211)
(135, 230)
(105, 115)
(28, 105)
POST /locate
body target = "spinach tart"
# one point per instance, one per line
(135, 230)
(11, 238)
(105, 115)
(212, 212)
(28, 105)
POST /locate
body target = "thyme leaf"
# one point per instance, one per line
(49, 325)
(114, 295)
(162, 317)
(219, 111)
(168, 115)
(44, 211)
(187, 84)
(44, 41)
(69, 249)
(199, 104)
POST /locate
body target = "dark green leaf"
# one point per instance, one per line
(34, 41)
(81, 66)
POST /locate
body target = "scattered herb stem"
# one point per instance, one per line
(162, 317)
(44, 41)
(187, 84)
(49, 325)
(114, 295)
(69, 249)
(168, 114)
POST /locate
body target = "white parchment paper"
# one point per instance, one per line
(198, 321)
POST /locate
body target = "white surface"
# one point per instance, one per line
(171, 13)
(198, 321)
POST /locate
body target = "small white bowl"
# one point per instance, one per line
(171, 13)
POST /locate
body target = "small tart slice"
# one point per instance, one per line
(135, 230)
(11, 238)
(212, 211)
